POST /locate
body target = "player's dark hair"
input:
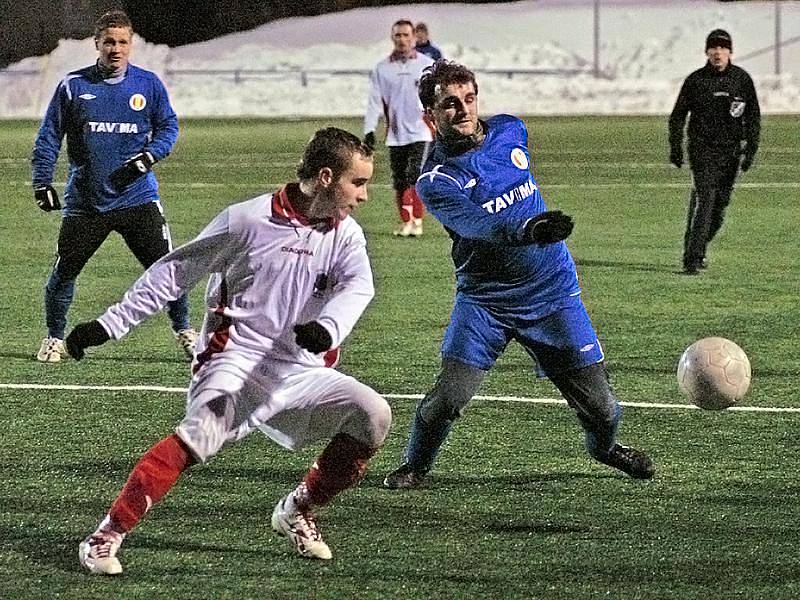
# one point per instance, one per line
(402, 22)
(333, 148)
(439, 75)
(113, 18)
(421, 27)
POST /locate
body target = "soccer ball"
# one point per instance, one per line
(714, 373)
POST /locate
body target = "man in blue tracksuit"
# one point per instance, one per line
(516, 279)
(118, 122)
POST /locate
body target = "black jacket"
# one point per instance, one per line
(723, 110)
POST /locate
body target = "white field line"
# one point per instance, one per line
(180, 390)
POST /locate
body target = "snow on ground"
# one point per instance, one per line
(646, 49)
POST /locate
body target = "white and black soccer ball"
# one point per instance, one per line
(714, 373)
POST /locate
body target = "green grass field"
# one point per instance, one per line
(515, 509)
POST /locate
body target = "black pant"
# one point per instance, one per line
(711, 193)
(406, 163)
(142, 227)
(146, 234)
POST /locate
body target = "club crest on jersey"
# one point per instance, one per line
(137, 102)
(737, 108)
(519, 159)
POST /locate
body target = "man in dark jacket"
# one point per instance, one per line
(723, 132)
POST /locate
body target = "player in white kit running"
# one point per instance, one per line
(289, 278)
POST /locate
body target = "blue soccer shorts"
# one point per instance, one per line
(561, 341)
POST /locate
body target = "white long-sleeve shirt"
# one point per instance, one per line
(393, 93)
(266, 267)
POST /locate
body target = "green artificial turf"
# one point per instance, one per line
(514, 508)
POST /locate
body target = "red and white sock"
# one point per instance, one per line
(418, 208)
(340, 466)
(153, 476)
(405, 205)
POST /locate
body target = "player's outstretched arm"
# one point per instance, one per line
(171, 276)
(445, 199)
(548, 228)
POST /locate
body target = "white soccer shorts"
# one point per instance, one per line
(295, 405)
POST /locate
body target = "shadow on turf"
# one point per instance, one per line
(537, 528)
(628, 266)
(42, 546)
(518, 481)
(145, 359)
(53, 551)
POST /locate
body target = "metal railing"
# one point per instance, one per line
(304, 75)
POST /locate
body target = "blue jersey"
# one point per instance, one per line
(429, 49)
(484, 198)
(106, 121)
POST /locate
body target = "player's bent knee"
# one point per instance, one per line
(444, 403)
(605, 407)
(382, 426)
(454, 388)
(379, 419)
(371, 418)
(207, 426)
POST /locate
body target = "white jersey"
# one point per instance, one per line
(269, 270)
(393, 93)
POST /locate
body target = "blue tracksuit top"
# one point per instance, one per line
(106, 122)
(483, 198)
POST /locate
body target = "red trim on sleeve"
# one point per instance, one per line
(221, 334)
(331, 357)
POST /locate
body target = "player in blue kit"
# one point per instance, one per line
(516, 279)
(118, 122)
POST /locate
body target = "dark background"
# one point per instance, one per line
(33, 27)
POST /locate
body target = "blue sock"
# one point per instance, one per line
(600, 440)
(178, 311)
(58, 295)
(424, 442)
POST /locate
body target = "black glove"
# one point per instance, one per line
(369, 140)
(134, 167)
(46, 197)
(676, 157)
(747, 160)
(548, 227)
(313, 337)
(83, 336)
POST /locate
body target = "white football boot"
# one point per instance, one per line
(300, 528)
(187, 340)
(405, 229)
(51, 350)
(98, 552)
(416, 228)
